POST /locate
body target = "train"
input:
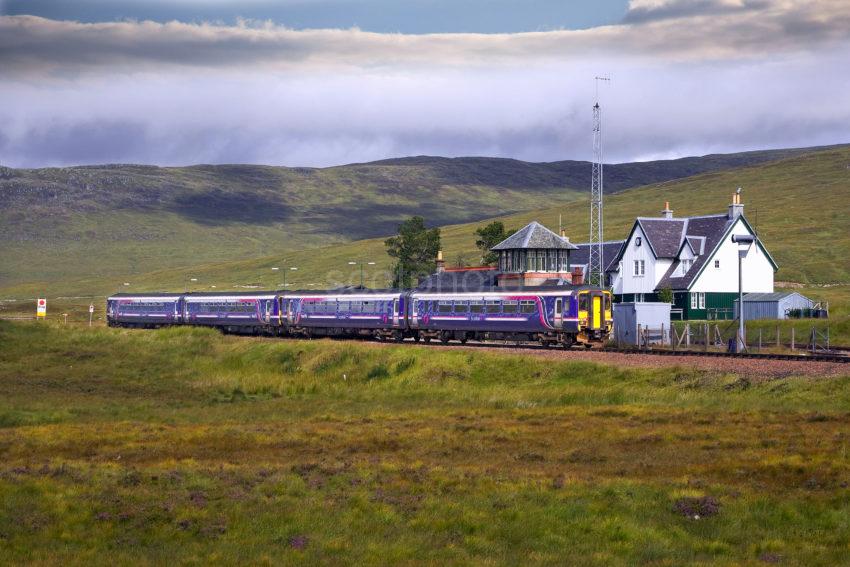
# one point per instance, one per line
(552, 316)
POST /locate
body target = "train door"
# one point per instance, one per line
(597, 311)
(268, 308)
(290, 315)
(395, 313)
(559, 313)
(414, 312)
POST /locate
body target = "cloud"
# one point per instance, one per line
(689, 77)
(672, 29)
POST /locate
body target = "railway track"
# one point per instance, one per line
(837, 357)
(840, 355)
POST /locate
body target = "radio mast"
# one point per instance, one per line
(596, 261)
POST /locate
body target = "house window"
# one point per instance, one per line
(697, 300)
(717, 263)
(640, 267)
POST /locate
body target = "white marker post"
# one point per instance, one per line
(41, 309)
(91, 312)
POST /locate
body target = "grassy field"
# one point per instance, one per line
(121, 221)
(187, 447)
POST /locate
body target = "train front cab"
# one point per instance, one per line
(595, 317)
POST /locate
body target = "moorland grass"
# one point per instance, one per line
(185, 446)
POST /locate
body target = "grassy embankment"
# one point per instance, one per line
(182, 445)
(81, 231)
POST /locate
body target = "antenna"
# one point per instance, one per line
(596, 260)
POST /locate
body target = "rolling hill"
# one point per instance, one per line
(801, 206)
(118, 221)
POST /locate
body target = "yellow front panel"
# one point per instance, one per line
(597, 311)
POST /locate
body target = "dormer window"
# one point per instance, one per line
(686, 265)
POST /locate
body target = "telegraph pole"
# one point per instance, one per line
(596, 260)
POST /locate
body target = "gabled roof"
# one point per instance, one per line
(714, 229)
(663, 235)
(610, 254)
(534, 235)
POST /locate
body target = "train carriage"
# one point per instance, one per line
(144, 310)
(344, 313)
(235, 312)
(560, 316)
(563, 315)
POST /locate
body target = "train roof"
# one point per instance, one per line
(345, 291)
(124, 295)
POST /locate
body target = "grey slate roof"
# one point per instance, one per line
(610, 252)
(712, 228)
(664, 235)
(534, 235)
(775, 296)
(697, 244)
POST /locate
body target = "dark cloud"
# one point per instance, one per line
(649, 12)
(87, 141)
(748, 77)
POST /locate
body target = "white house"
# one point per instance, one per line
(695, 258)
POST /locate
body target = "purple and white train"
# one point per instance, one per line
(549, 315)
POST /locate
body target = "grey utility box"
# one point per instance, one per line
(642, 323)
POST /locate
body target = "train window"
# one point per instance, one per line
(607, 302)
(494, 307)
(444, 307)
(510, 307)
(476, 307)
(583, 302)
(461, 308)
(528, 307)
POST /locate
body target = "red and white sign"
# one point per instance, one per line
(41, 308)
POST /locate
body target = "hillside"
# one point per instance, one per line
(110, 221)
(800, 205)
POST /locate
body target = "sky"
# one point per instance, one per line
(327, 82)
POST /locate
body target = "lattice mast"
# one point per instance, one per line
(596, 262)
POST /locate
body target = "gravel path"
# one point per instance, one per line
(746, 366)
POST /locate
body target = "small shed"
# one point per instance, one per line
(649, 319)
(775, 305)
